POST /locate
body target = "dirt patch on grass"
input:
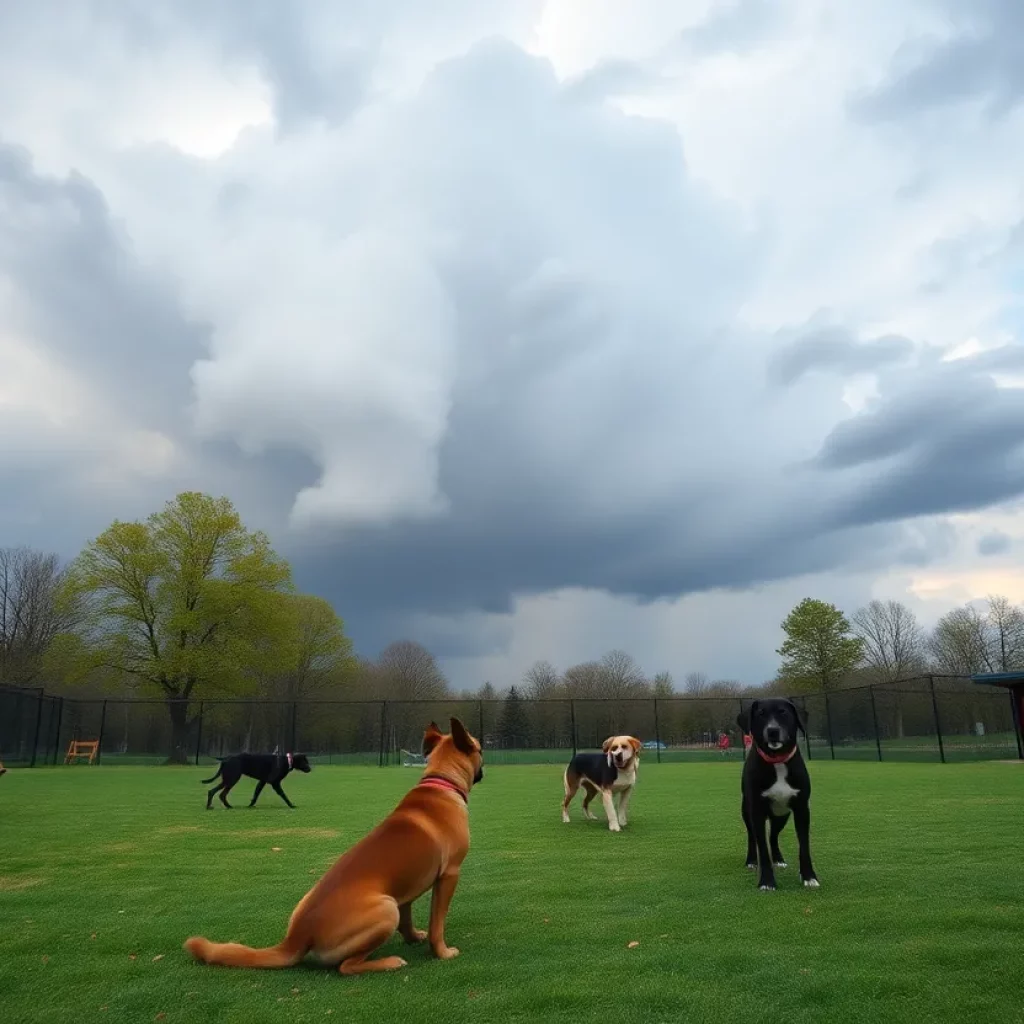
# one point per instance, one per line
(14, 883)
(120, 848)
(305, 833)
(178, 830)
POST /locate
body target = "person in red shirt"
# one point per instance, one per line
(747, 741)
(723, 743)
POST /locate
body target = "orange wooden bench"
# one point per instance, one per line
(82, 748)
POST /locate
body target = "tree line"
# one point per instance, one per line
(191, 605)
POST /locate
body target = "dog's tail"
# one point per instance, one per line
(230, 954)
(220, 768)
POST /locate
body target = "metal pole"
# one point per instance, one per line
(828, 722)
(103, 725)
(1017, 723)
(572, 715)
(480, 715)
(35, 735)
(657, 732)
(295, 715)
(56, 741)
(938, 727)
(383, 729)
(874, 715)
(199, 732)
(807, 738)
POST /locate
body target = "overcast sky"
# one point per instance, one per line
(528, 329)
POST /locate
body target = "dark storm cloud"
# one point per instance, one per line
(953, 444)
(836, 350)
(983, 59)
(81, 292)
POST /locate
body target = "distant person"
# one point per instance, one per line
(747, 741)
(724, 743)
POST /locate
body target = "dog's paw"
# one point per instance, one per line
(780, 864)
(767, 888)
(751, 865)
(565, 818)
(416, 935)
(812, 883)
(614, 827)
(446, 953)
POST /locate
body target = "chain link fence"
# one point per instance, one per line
(931, 718)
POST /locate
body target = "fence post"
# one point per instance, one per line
(938, 726)
(199, 732)
(874, 716)
(295, 715)
(103, 725)
(35, 735)
(60, 718)
(383, 729)
(828, 722)
(1018, 725)
(480, 715)
(572, 716)
(657, 732)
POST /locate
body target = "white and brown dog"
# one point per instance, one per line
(610, 772)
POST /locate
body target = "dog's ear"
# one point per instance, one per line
(801, 716)
(636, 745)
(607, 745)
(431, 737)
(743, 720)
(460, 734)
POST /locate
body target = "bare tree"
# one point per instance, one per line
(406, 670)
(1005, 633)
(35, 607)
(696, 684)
(894, 643)
(959, 643)
(621, 675)
(541, 681)
(584, 680)
(662, 685)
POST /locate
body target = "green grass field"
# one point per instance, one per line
(104, 871)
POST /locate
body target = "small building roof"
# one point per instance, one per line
(999, 678)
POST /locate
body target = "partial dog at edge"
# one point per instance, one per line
(368, 893)
(612, 771)
(775, 782)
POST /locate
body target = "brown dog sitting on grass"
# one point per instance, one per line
(367, 895)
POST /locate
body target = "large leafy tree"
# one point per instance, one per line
(187, 602)
(820, 647)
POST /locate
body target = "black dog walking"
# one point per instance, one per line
(265, 768)
(775, 782)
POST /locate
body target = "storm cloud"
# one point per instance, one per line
(472, 307)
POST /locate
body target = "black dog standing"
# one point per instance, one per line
(775, 783)
(265, 768)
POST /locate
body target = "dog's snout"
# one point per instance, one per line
(773, 732)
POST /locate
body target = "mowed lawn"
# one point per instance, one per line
(920, 917)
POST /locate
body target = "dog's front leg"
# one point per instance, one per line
(802, 823)
(257, 791)
(751, 842)
(444, 889)
(609, 810)
(624, 798)
(280, 792)
(406, 928)
(759, 819)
